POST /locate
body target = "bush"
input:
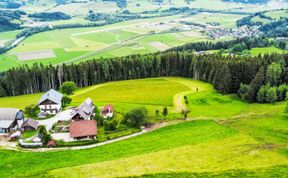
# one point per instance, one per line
(271, 95)
(110, 125)
(136, 117)
(45, 137)
(165, 111)
(66, 101)
(262, 94)
(68, 88)
(31, 110)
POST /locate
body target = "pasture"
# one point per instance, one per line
(224, 136)
(249, 141)
(266, 50)
(120, 39)
(277, 14)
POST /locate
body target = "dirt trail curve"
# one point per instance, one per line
(178, 99)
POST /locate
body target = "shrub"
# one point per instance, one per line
(271, 95)
(68, 88)
(31, 110)
(136, 117)
(66, 101)
(165, 111)
(110, 125)
(45, 137)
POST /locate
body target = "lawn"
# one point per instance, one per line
(171, 137)
(225, 136)
(19, 101)
(29, 134)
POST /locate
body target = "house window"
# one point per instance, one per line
(2, 130)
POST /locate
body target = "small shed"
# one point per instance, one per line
(30, 124)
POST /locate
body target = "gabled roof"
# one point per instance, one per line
(8, 116)
(51, 95)
(107, 109)
(32, 123)
(83, 128)
(85, 110)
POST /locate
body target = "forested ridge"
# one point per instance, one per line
(229, 74)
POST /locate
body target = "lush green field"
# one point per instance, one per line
(226, 136)
(277, 14)
(130, 37)
(267, 50)
(124, 95)
(125, 38)
(19, 101)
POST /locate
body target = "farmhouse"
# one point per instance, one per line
(84, 111)
(11, 119)
(83, 129)
(107, 111)
(50, 102)
(30, 124)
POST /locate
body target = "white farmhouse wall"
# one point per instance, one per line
(50, 109)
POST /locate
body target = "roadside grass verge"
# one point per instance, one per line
(166, 138)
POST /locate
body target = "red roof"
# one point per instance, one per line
(83, 128)
(108, 108)
(52, 143)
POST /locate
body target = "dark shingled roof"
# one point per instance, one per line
(83, 128)
(31, 123)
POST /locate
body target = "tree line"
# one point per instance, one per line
(230, 74)
(246, 43)
(50, 16)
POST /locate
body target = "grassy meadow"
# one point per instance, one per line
(124, 38)
(130, 37)
(224, 135)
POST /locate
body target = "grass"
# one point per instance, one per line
(29, 134)
(277, 14)
(225, 20)
(19, 101)
(124, 38)
(208, 104)
(266, 50)
(170, 137)
(221, 155)
(225, 137)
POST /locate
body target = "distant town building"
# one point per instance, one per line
(50, 102)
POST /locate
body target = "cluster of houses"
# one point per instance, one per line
(81, 122)
(216, 33)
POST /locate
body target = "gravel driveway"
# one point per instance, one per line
(62, 116)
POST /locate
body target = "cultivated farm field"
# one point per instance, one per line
(124, 38)
(223, 135)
